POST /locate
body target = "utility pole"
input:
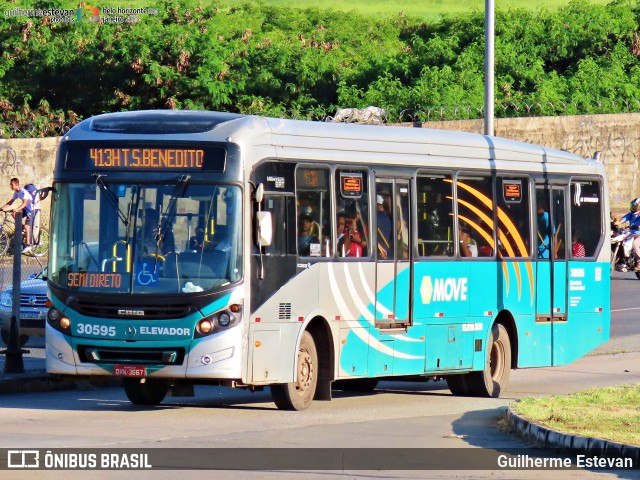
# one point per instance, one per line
(489, 47)
(13, 362)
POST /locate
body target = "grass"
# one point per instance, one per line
(611, 413)
(427, 9)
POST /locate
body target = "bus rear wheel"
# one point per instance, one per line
(145, 391)
(299, 394)
(493, 380)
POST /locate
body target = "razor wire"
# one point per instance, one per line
(380, 114)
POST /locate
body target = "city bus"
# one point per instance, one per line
(204, 248)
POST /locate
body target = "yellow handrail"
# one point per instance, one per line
(127, 255)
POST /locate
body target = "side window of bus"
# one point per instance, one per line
(435, 215)
(352, 213)
(313, 211)
(475, 216)
(586, 212)
(514, 225)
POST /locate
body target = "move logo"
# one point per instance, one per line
(443, 289)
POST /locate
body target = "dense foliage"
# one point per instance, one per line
(257, 58)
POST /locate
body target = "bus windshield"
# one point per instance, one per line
(146, 238)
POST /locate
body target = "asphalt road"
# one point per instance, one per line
(397, 415)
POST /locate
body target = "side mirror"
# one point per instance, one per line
(265, 230)
(260, 193)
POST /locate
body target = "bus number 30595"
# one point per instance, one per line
(101, 330)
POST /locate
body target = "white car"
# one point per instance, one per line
(33, 308)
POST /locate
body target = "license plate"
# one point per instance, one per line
(130, 371)
(30, 315)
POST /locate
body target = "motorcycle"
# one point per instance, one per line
(622, 259)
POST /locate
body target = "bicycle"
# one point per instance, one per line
(40, 235)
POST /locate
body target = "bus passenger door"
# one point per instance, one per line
(393, 265)
(551, 278)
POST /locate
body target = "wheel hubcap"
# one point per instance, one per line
(305, 371)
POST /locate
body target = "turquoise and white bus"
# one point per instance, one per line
(212, 248)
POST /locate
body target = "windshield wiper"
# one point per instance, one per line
(165, 220)
(111, 196)
(133, 209)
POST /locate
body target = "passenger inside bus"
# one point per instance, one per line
(544, 231)
(315, 226)
(385, 230)
(196, 242)
(402, 231)
(349, 239)
(308, 244)
(577, 247)
(468, 246)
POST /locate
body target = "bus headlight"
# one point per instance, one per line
(205, 326)
(59, 321)
(65, 323)
(219, 321)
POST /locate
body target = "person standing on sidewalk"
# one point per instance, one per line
(26, 206)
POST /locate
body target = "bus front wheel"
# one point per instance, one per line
(145, 391)
(493, 380)
(299, 394)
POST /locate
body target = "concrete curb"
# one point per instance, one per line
(543, 437)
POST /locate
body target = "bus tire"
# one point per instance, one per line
(459, 384)
(151, 392)
(357, 385)
(299, 394)
(493, 380)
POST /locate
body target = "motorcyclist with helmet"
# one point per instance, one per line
(633, 220)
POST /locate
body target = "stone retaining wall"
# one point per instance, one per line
(617, 137)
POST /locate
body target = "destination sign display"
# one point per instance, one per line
(94, 280)
(145, 157)
(512, 191)
(351, 185)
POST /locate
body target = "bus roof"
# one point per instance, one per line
(313, 140)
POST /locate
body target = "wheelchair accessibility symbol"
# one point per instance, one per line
(145, 276)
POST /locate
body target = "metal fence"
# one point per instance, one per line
(30, 333)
